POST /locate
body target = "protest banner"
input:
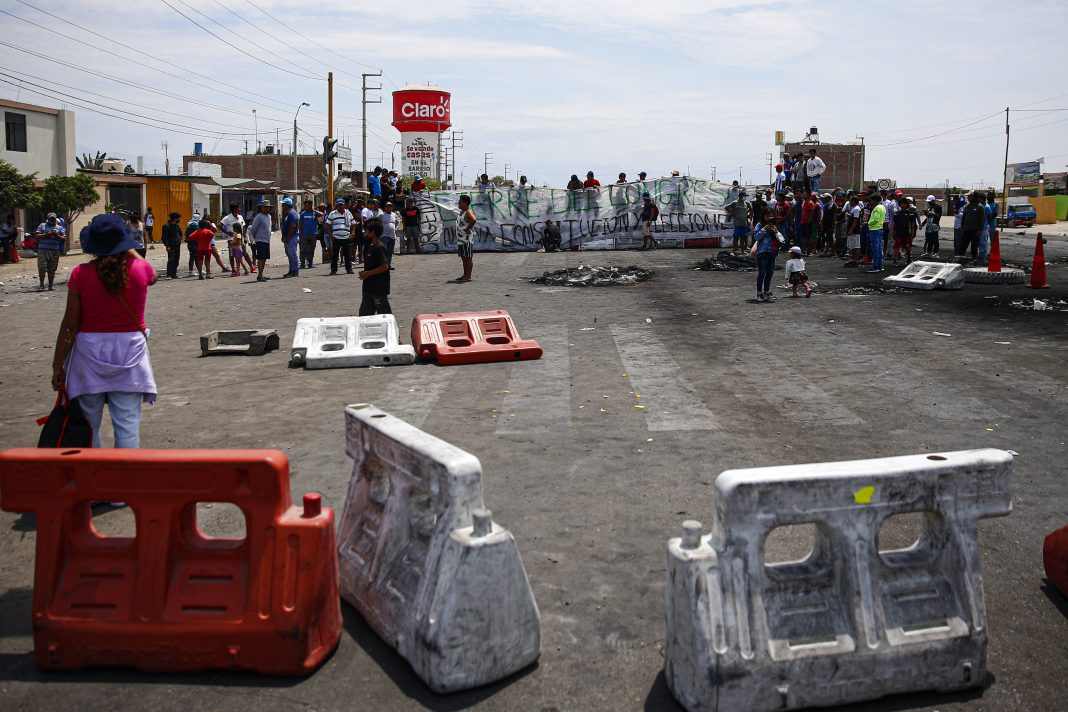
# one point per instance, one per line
(605, 218)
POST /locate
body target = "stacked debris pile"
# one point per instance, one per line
(727, 261)
(594, 276)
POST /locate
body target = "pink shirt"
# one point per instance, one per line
(101, 310)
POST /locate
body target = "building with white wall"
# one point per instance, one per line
(38, 139)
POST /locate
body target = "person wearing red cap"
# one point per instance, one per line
(780, 180)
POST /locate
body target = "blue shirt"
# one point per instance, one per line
(54, 237)
(309, 222)
(289, 222)
(375, 185)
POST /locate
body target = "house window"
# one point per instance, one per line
(15, 131)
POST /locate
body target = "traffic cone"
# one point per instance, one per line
(1038, 270)
(994, 264)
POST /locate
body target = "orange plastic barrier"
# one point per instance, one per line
(470, 337)
(171, 599)
(1055, 558)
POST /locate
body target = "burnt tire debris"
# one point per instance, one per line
(594, 276)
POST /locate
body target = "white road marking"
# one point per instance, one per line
(539, 392)
(414, 390)
(671, 402)
(515, 259)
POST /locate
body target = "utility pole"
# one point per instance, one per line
(1005, 171)
(454, 146)
(166, 157)
(277, 140)
(770, 180)
(507, 167)
(443, 161)
(330, 132)
(365, 102)
(487, 159)
(713, 173)
(256, 128)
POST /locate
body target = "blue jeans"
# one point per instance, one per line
(875, 238)
(291, 253)
(765, 270)
(814, 183)
(390, 243)
(125, 409)
(984, 242)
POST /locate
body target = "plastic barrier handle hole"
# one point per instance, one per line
(935, 457)
(379, 415)
(70, 452)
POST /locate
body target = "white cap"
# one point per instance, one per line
(931, 199)
(795, 250)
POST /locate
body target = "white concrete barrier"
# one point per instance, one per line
(928, 275)
(849, 622)
(349, 341)
(423, 562)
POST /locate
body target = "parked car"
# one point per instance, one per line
(1018, 214)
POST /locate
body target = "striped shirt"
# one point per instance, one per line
(340, 222)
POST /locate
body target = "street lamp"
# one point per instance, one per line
(392, 159)
(462, 177)
(303, 104)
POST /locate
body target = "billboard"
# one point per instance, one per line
(1023, 175)
(419, 153)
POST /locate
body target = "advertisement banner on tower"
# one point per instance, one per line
(419, 153)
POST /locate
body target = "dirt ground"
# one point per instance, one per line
(591, 486)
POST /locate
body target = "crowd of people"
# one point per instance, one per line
(861, 229)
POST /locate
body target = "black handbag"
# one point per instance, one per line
(66, 425)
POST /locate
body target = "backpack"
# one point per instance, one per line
(654, 212)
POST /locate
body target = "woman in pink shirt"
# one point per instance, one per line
(101, 353)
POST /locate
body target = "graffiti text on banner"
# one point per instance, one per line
(605, 218)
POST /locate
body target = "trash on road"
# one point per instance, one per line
(727, 261)
(593, 276)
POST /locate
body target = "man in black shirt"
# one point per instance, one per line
(375, 272)
(410, 219)
(172, 240)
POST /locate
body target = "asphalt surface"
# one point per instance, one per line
(591, 485)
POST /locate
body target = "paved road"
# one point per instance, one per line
(590, 485)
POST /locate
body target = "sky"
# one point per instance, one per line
(555, 87)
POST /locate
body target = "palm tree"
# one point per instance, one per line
(96, 163)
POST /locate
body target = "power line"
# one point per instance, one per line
(327, 49)
(114, 99)
(230, 44)
(139, 62)
(936, 135)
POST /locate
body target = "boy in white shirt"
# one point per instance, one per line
(795, 272)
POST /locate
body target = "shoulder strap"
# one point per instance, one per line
(133, 318)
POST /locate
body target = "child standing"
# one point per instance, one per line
(375, 273)
(237, 251)
(464, 237)
(795, 272)
(203, 238)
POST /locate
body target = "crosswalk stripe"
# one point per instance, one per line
(670, 401)
(539, 392)
(414, 390)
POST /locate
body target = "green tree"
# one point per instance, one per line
(17, 190)
(502, 182)
(68, 196)
(432, 184)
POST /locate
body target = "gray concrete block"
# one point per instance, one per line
(424, 563)
(251, 342)
(852, 621)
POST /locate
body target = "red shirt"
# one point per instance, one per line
(591, 183)
(101, 310)
(418, 186)
(203, 238)
(807, 208)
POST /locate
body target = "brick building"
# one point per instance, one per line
(845, 162)
(274, 167)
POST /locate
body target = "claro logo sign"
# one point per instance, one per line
(421, 110)
(412, 110)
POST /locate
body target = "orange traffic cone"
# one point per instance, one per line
(1038, 270)
(994, 265)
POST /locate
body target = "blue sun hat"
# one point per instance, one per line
(106, 235)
